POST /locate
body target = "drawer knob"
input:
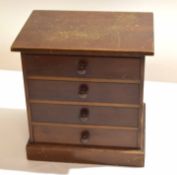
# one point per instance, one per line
(84, 114)
(82, 65)
(85, 135)
(83, 91)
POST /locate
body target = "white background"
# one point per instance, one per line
(161, 98)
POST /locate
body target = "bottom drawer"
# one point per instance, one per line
(86, 135)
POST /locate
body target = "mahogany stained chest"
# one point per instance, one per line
(84, 75)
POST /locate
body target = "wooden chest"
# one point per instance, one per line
(83, 75)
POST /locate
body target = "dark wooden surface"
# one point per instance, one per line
(96, 67)
(97, 92)
(99, 135)
(85, 154)
(28, 108)
(80, 154)
(87, 32)
(103, 104)
(97, 115)
(85, 60)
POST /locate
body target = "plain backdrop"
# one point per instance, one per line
(161, 67)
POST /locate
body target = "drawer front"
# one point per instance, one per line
(77, 114)
(90, 92)
(90, 67)
(66, 134)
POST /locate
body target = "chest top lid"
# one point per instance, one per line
(79, 32)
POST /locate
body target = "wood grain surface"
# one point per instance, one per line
(97, 115)
(84, 77)
(118, 68)
(98, 136)
(87, 32)
(97, 92)
(89, 154)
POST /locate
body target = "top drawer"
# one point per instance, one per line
(78, 66)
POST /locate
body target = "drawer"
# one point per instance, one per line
(90, 67)
(76, 114)
(82, 91)
(85, 135)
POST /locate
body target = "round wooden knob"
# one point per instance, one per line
(85, 135)
(82, 65)
(83, 91)
(84, 115)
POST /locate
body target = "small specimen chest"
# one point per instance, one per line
(84, 75)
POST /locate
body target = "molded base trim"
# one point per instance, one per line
(93, 155)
